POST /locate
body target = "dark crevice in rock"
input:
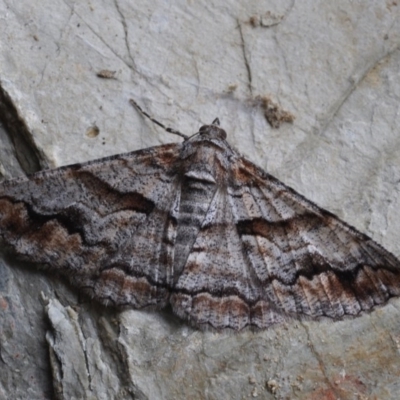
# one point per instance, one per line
(18, 133)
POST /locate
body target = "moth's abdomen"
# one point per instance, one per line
(197, 192)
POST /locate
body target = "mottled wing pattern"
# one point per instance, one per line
(265, 253)
(197, 225)
(218, 287)
(308, 261)
(80, 221)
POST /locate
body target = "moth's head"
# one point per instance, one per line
(213, 130)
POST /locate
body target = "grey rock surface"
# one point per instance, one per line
(333, 66)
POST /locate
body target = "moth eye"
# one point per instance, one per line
(203, 129)
(223, 134)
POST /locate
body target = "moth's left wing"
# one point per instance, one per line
(85, 221)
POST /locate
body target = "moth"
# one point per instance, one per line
(196, 226)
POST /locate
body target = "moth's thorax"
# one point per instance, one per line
(207, 156)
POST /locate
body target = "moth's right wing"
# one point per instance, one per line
(265, 253)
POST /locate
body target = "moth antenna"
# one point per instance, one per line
(215, 122)
(169, 130)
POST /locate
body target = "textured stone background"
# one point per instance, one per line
(334, 66)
